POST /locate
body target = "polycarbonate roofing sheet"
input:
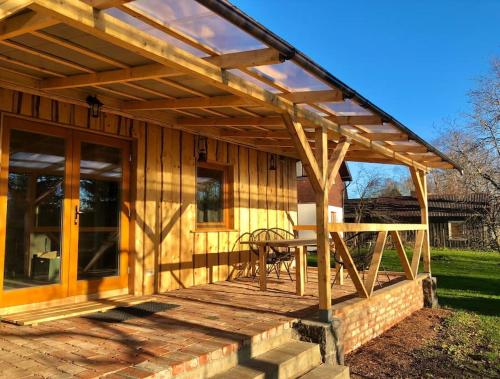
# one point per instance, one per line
(200, 23)
(121, 15)
(347, 108)
(292, 76)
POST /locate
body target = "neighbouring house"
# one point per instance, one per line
(454, 220)
(306, 207)
(140, 142)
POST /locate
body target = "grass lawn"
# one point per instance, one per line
(469, 283)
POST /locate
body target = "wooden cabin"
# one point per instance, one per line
(455, 221)
(140, 140)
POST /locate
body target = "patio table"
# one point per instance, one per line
(300, 245)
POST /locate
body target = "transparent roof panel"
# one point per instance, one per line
(292, 76)
(347, 108)
(115, 12)
(254, 80)
(200, 23)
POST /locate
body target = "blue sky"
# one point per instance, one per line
(414, 59)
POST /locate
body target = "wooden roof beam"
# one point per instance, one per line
(234, 121)
(105, 4)
(356, 120)
(149, 71)
(385, 137)
(279, 134)
(408, 149)
(313, 96)
(190, 102)
(11, 7)
(24, 23)
(108, 28)
(251, 58)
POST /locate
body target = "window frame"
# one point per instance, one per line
(451, 235)
(228, 198)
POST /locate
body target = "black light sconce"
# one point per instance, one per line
(272, 162)
(202, 149)
(94, 105)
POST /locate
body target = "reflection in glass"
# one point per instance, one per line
(100, 199)
(34, 210)
(209, 195)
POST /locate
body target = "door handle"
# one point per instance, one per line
(77, 214)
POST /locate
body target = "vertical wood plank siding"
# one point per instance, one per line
(168, 252)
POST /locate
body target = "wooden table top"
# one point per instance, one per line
(284, 242)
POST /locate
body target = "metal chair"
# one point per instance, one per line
(361, 261)
(276, 256)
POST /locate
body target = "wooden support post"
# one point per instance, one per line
(417, 251)
(305, 264)
(396, 239)
(323, 244)
(299, 270)
(262, 267)
(420, 183)
(375, 263)
(349, 264)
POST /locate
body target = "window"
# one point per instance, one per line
(213, 196)
(456, 230)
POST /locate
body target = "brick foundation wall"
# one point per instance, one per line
(365, 319)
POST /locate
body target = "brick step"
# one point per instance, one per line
(288, 361)
(254, 346)
(326, 371)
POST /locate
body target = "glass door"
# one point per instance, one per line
(100, 214)
(34, 176)
(64, 212)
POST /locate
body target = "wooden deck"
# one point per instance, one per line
(204, 322)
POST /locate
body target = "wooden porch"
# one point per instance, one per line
(182, 97)
(204, 323)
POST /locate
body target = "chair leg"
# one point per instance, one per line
(277, 269)
(287, 268)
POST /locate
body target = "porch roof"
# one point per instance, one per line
(198, 65)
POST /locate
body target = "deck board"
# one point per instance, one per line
(38, 316)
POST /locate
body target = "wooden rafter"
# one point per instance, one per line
(149, 71)
(105, 4)
(24, 23)
(407, 149)
(11, 7)
(385, 136)
(191, 102)
(356, 120)
(313, 96)
(108, 28)
(77, 48)
(250, 58)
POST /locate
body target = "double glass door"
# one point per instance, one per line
(63, 212)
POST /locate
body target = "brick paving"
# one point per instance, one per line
(208, 322)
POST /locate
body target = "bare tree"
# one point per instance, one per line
(475, 146)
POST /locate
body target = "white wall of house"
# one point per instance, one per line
(307, 216)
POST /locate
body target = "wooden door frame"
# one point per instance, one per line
(81, 287)
(50, 292)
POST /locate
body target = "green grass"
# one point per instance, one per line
(468, 282)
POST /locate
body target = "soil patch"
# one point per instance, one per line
(399, 352)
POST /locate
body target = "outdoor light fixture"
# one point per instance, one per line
(94, 105)
(202, 149)
(272, 162)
